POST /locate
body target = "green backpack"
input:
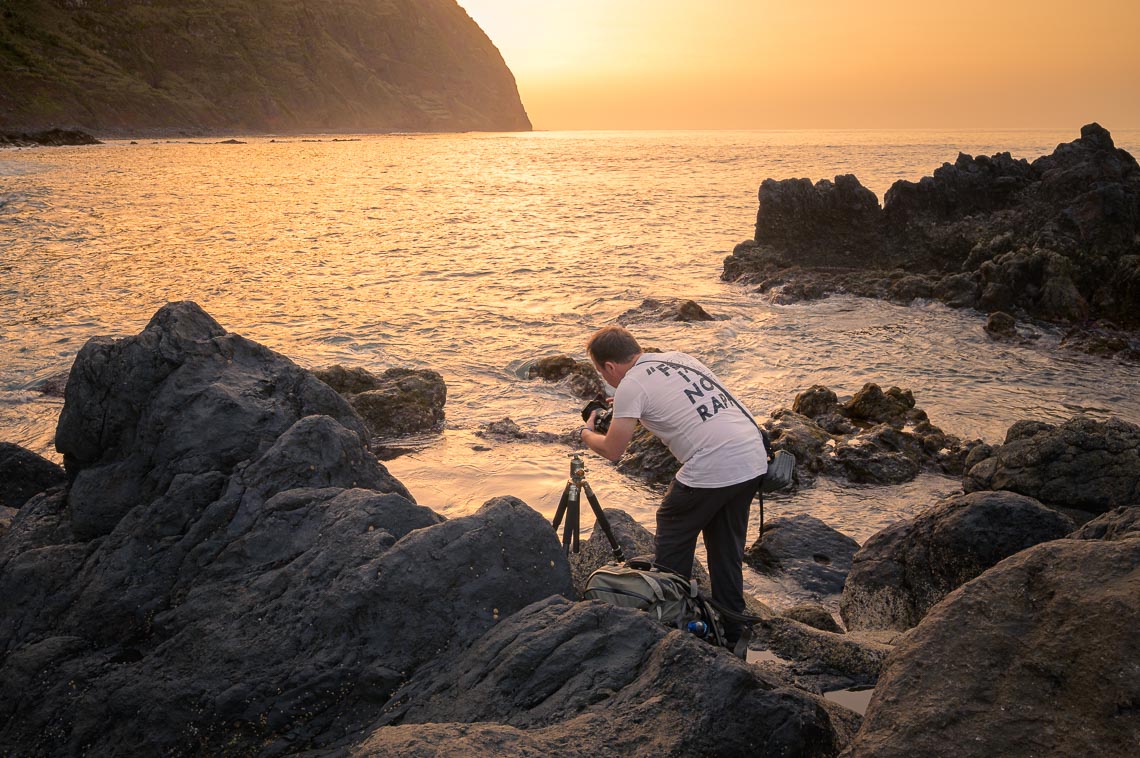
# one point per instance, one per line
(666, 596)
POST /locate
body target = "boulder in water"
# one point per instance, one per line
(399, 402)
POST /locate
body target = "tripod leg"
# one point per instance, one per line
(571, 527)
(603, 522)
(558, 514)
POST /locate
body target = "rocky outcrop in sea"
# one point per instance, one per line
(1055, 239)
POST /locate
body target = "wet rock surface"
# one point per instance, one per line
(1055, 239)
(820, 660)
(1037, 656)
(876, 436)
(396, 403)
(1085, 464)
(589, 678)
(24, 474)
(579, 376)
(905, 569)
(665, 309)
(231, 571)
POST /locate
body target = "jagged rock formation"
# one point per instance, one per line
(1055, 239)
(1086, 464)
(242, 65)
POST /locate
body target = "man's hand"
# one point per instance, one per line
(614, 442)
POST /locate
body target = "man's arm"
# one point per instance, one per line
(612, 444)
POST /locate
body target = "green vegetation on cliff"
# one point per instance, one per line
(251, 65)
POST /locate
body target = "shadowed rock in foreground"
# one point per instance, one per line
(231, 570)
(1037, 656)
(1055, 239)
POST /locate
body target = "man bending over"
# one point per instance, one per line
(678, 399)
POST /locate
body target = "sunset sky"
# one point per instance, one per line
(768, 64)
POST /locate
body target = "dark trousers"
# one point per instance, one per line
(721, 513)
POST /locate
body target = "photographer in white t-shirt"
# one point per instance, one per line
(678, 399)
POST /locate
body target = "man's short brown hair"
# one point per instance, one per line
(612, 343)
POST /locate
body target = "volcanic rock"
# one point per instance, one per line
(1118, 524)
(813, 615)
(1037, 656)
(668, 309)
(580, 376)
(1055, 239)
(1086, 464)
(804, 552)
(24, 474)
(903, 570)
(594, 679)
(47, 138)
(399, 402)
(231, 571)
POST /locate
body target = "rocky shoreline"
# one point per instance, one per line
(1053, 241)
(47, 138)
(223, 565)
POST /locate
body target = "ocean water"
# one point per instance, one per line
(476, 254)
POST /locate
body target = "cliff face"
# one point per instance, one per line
(251, 65)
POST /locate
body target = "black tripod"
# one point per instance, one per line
(570, 507)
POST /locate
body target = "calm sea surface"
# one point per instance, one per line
(475, 254)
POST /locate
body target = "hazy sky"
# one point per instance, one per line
(768, 64)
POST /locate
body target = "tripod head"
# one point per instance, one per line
(577, 469)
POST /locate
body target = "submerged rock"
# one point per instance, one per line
(903, 570)
(47, 138)
(397, 403)
(1085, 464)
(593, 679)
(1037, 656)
(24, 474)
(668, 309)
(580, 377)
(1054, 239)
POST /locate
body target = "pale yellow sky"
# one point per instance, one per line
(828, 64)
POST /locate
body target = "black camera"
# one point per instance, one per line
(605, 414)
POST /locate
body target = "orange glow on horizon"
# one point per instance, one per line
(761, 64)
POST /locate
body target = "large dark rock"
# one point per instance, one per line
(239, 65)
(903, 570)
(1085, 464)
(231, 570)
(399, 402)
(24, 474)
(593, 679)
(804, 552)
(1055, 239)
(1037, 656)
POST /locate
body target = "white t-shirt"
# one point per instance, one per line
(715, 442)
